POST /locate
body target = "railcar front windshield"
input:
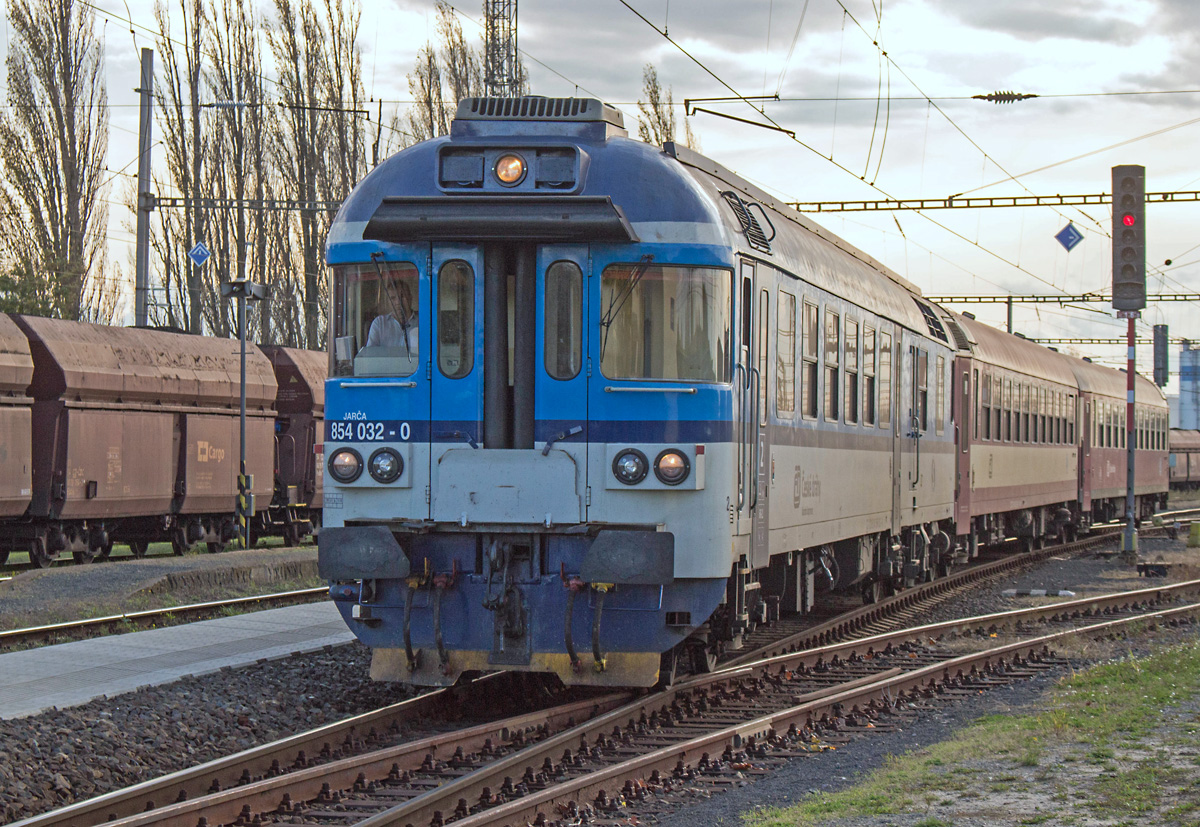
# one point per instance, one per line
(374, 319)
(665, 322)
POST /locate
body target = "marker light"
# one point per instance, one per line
(345, 465)
(385, 465)
(510, 169)
(671, 467)
(630, 466)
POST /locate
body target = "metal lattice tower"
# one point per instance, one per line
(501, 74)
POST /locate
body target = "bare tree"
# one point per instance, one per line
(235, 162)
(319, 146)
(656, 124)
(177, 102)
(445, 74)
(53, 139)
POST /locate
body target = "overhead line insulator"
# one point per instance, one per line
(1005, 97)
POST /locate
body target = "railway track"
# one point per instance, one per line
(132, 621)
(749, 715)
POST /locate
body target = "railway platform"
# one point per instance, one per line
(68, 674)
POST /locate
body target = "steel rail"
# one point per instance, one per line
(14, 637)
(189, 788)
(268, 760)
(421, 810)
(872, 695)
(270, 794)
(227, 772)
(850, 622)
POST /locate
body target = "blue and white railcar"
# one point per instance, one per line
(595, 405)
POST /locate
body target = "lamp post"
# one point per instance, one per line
(243, 290)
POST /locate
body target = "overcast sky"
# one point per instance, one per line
(881, 128)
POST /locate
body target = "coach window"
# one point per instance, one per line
(986, 392)
(975, 403)
(665, 322)
(1025, 408)
(921, 388)
(563, 348)
(811, 333)
(1071, 419)
(1037, 395)
(785, 356)
(885, 379)
(375, 319)
(764, 329)
(1043, 395)
(832, 333)
(851, 370)
(868, 375)
(456, 319)
(1006, 404)
(940, 413)
(997, 405)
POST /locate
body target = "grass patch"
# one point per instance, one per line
(1097, 709)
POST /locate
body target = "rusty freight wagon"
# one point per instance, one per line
(135, 439)
(16, 459)
(295, 508)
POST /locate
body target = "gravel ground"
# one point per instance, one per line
(59, 757)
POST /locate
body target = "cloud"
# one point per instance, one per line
(1034, 20)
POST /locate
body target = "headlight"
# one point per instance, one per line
(385, 465)
(345, 465)
(510, 169)
(630, 466)
(672, 467)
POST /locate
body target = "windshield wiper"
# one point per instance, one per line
(618, 299)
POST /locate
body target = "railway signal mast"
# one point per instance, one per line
(1129, 298)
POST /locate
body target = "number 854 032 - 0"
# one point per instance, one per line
(362, 431)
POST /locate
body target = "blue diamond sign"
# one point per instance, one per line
(1068, 237)
(200, 254)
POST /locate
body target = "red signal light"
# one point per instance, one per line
(1128, 220)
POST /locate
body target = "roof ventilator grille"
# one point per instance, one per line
(530, 107)
(960, 338)
(750, 226)
(936, 330)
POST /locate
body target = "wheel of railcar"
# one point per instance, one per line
(291, 535)
(3, 557)
(38, 555)
(179, 543)
(216, 548)
(86, 556)
(106, 550)
(873, 591)
(944, 566)
(138, 548)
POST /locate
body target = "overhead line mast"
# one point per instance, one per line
(501, 72)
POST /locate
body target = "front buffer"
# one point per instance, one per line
(595, 605)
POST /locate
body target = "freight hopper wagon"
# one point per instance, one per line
(16, 422)
(134, 438)
(295, 509)
(597, 405)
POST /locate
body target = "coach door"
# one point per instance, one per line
(752, 436)
(560, 380)
(891, 363)
(454, 365)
